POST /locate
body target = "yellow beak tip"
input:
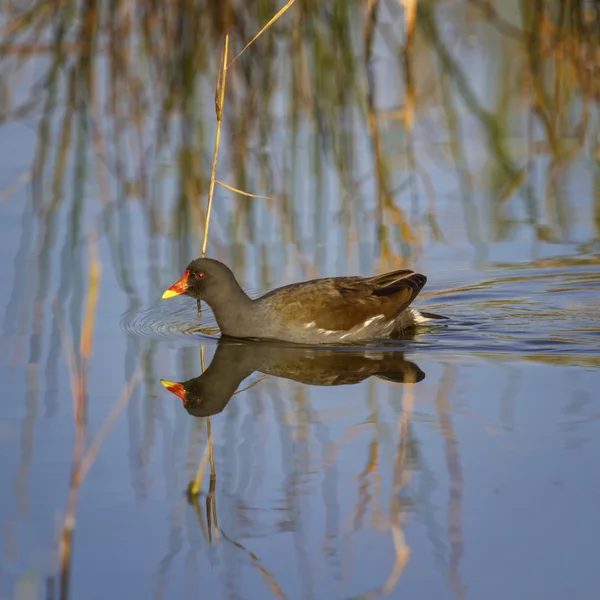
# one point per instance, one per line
(168, 383)
(169, 294)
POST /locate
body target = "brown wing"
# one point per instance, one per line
(341, 303)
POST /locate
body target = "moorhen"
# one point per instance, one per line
(331, 310)
(209, 393)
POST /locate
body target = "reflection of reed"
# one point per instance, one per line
(84, 457)
(255, 561)
(513, 175)
(386, 206)
(394, 522)
(455, 533)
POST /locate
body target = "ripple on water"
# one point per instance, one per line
(537, 310)
(176, 319)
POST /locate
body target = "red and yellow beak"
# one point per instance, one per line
(174, 388)
(179, 287)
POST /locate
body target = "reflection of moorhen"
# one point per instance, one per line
(321, 311)
(209, 393)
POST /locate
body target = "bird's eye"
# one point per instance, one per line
(199, 275)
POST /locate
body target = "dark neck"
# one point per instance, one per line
(214, 388)
(229, 307)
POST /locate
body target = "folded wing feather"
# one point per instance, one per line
(342, 304)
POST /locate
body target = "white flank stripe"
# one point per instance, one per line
(418, 317)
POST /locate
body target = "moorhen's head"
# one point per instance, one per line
(194, 401)
(204, 279)
(209, 393)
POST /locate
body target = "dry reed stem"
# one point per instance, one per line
(269, 23)
(200, 329)
(232, 189)
(219, 100)
(219, 105)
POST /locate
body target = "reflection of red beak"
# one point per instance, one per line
(174, 388)
(179, 287)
